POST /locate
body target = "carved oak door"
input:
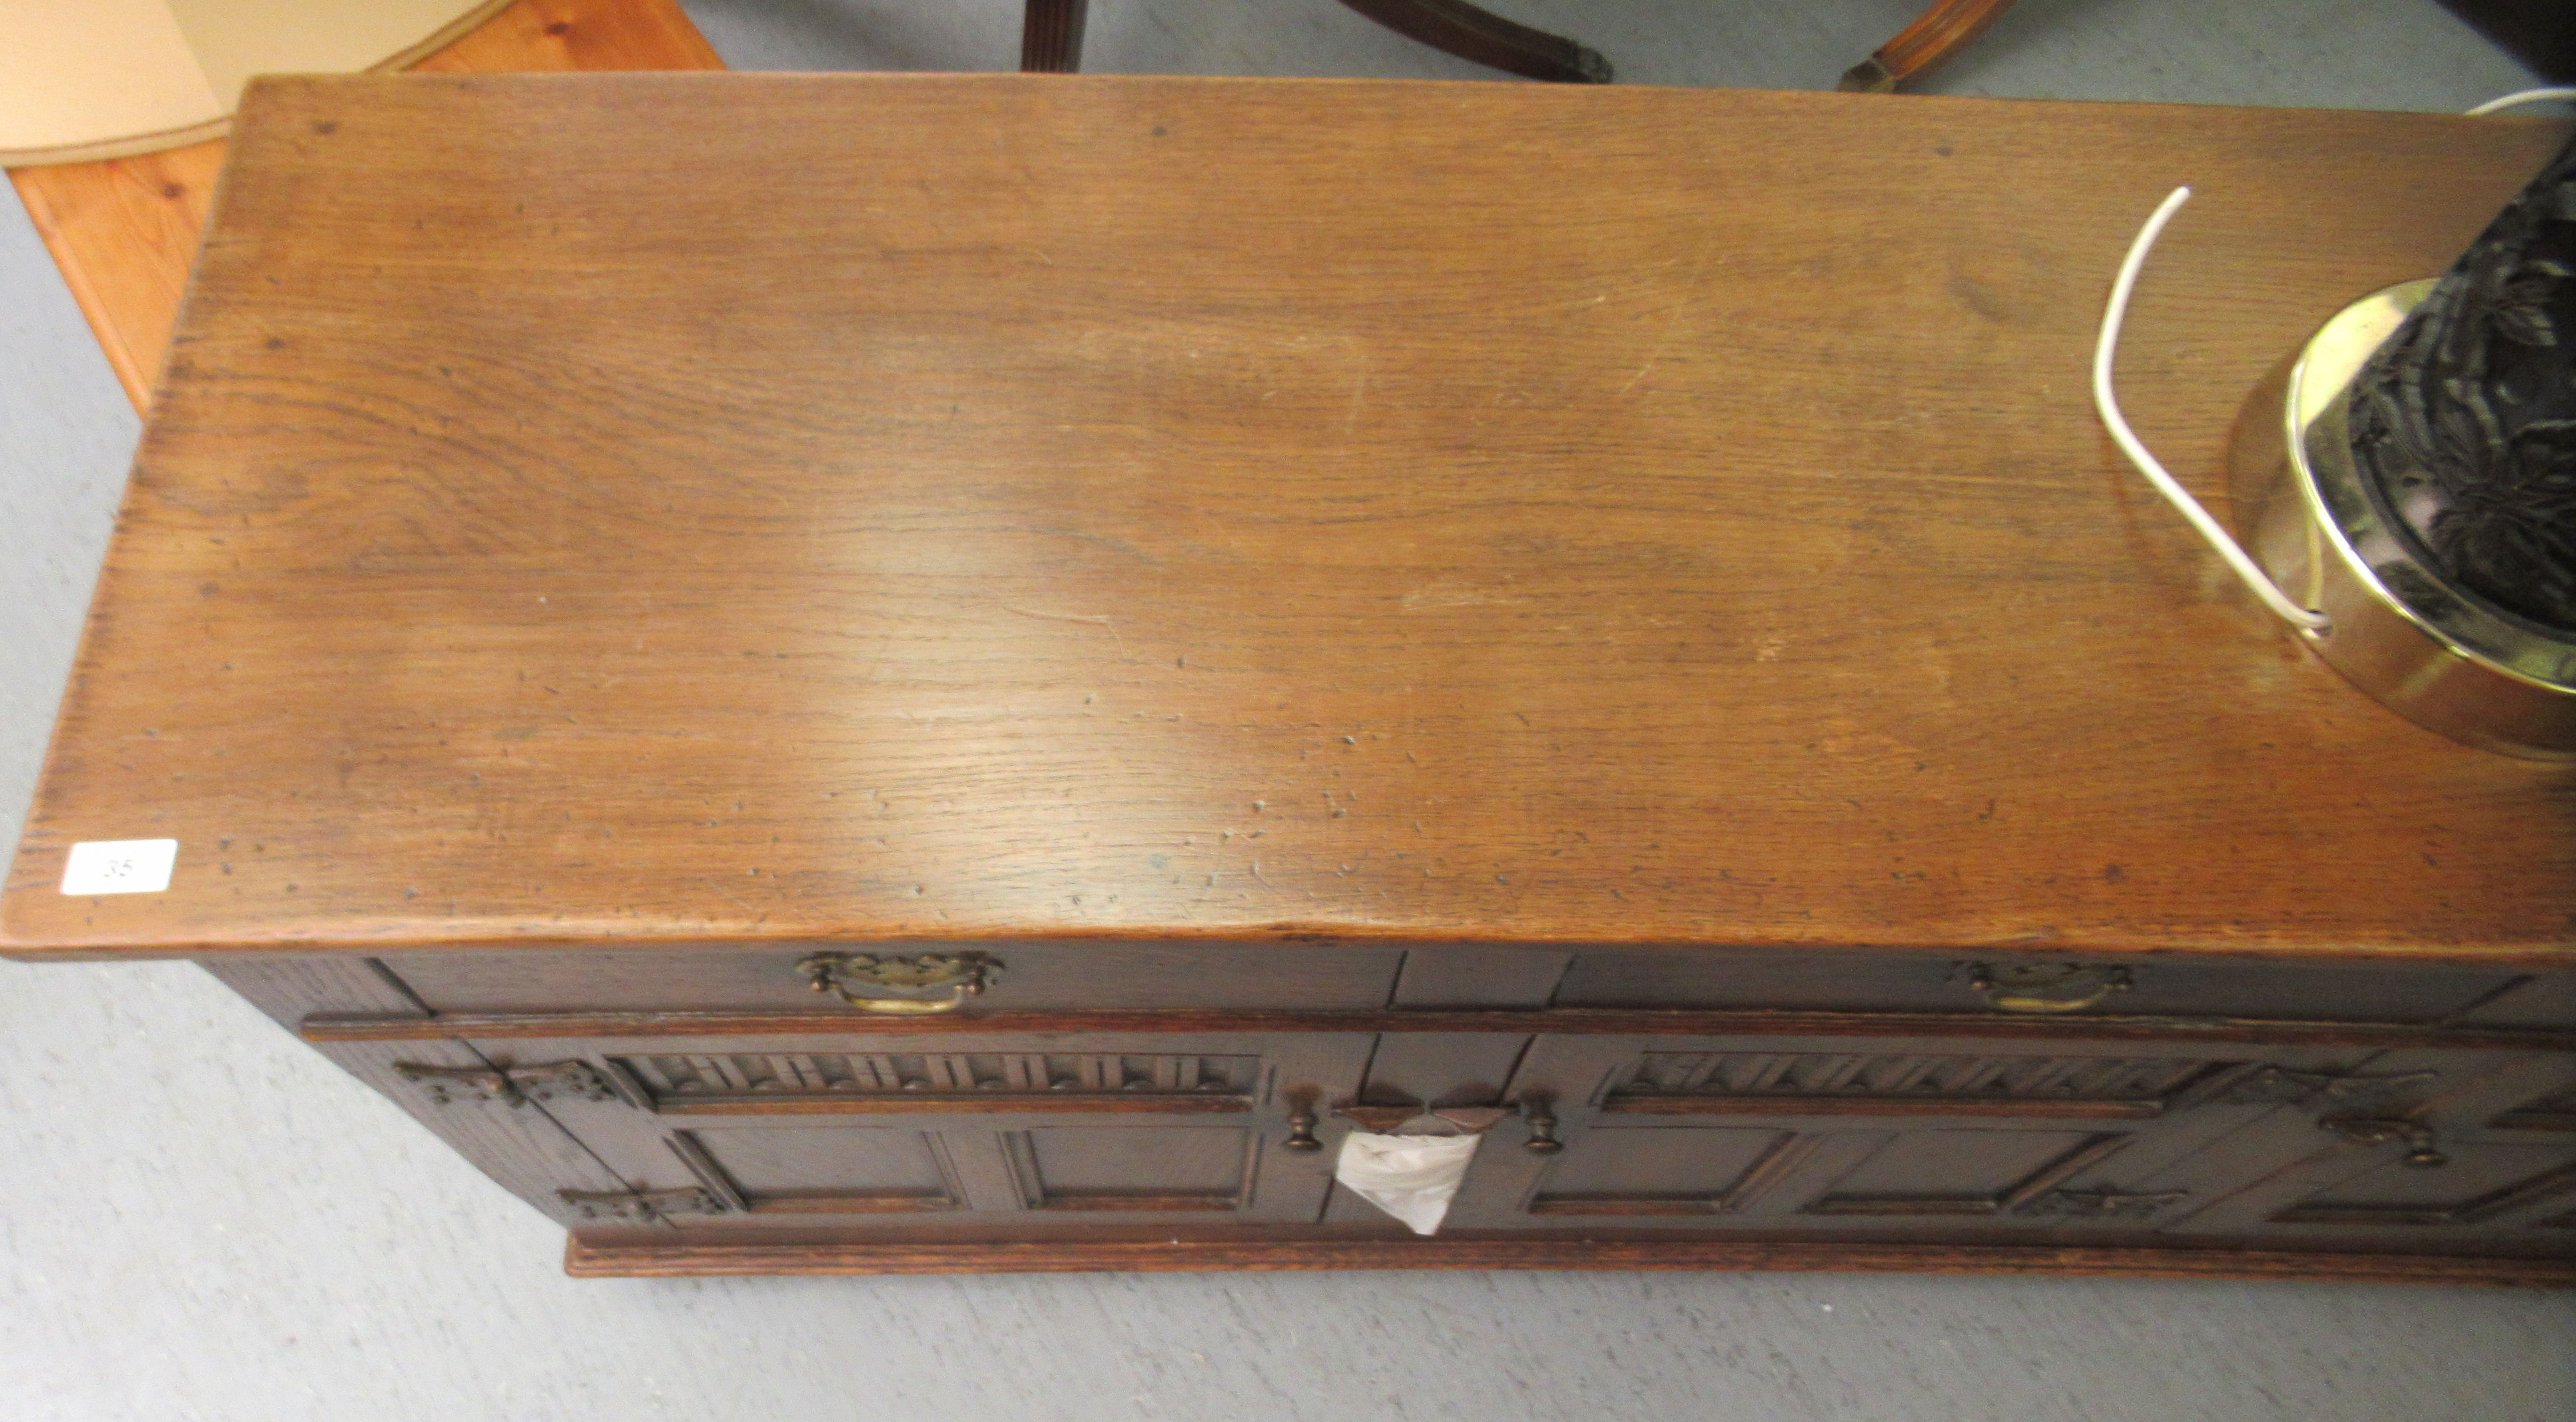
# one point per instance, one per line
(946, 1129)
(2477, 1148)
(1957, 1136)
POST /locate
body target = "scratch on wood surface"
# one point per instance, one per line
(755, 915)
(1097, 619)
(1672, 322)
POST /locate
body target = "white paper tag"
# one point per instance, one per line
(120, 866)
(1410, 1177)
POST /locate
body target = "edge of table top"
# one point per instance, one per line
(633, 1254)
(2164, 919)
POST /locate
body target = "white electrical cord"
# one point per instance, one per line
(2108, 405)
(2526, 96)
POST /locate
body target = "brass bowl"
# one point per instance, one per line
(2426, 648)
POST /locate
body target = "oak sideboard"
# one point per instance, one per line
(876, 673)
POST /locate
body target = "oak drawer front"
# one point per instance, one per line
(2480, 1148)
(1041, 1130)
(1940, 1137)
(1015, 976)
(1958, 1137)
(2136, 986)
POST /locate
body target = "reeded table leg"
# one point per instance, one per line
(1051, 36)
(1458, 28)
(1923, 46)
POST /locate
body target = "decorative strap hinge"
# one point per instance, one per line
(2269, 1085)
(2422, 1150)
(511, 1085)
(2101, 1204)
(641, 1206)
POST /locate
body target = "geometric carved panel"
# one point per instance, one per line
(832, 1170)
(1982, 1173)
(790, 1074)
(2478, 1183)
(1944, 1171)
(2136, 1086)
(1153, 1168)
(1683, 1171)
(2556, 1113)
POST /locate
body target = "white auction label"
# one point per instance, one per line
(120, 866)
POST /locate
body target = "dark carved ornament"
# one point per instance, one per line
(2464, 423)
(641, 1206)
(510, 1085)
(2423, 1151)
(2102, 1204)
(2272, 1085)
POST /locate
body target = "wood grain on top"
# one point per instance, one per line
(713, 508)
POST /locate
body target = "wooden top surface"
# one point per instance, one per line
(715, 508)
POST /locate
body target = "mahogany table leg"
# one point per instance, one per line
(1051, 36)
(1458, 28)
(1923, 46)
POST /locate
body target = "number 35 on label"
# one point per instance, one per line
(120, 866)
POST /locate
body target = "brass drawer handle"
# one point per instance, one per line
(2045, 987)
(961, 975)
